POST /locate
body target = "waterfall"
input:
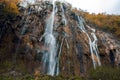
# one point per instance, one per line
(92, 44)
(95, 48)
(49, 56)
(81, 26)
(60, 50)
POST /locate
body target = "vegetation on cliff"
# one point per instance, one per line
(106, 22)
(25, 56)
(9, 7)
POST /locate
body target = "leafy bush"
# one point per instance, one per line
(104, 73)
(27, 77)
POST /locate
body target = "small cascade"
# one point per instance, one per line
(81, 25)
(63, 15)
(22, 33)
(58, 57)
(95, 48)
(92, 44)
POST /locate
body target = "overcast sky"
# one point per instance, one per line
(97, 6)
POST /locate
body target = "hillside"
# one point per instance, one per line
(51, 40)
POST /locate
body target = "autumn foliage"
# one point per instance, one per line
(9, 6)
(108, 23)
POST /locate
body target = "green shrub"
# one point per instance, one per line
(104, 73)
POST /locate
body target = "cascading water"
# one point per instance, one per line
(58, 57)
(81, 26)
(93, 44)
(63, 48)
(49, 56)
(63, 14)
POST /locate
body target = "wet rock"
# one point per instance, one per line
(12, 73)
(33, 38)
(67, 30)
(74, 16)
(38, 55)
(24, 30)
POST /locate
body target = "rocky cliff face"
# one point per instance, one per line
(54, 39)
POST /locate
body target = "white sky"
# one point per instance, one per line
(97, 6)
